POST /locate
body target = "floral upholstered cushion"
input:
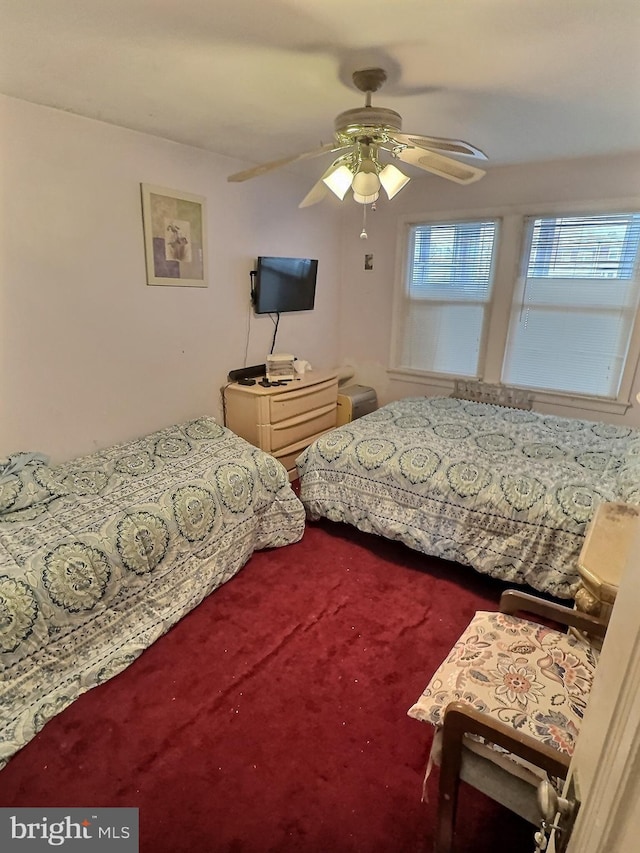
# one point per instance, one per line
(525, 674)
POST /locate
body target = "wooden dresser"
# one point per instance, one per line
(284, 419)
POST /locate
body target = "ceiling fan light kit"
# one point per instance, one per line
(366, 180)
(338, 180)
(365, 199)
(364, 138)
(392, 180)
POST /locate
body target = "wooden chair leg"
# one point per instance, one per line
(448, 787)
(447, 806)
(460, 719)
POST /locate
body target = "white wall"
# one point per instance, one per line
(367, 296)
(91, 355)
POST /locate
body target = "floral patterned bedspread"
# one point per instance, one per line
(506, 491)
(102, 555)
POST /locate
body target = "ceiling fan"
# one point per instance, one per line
(366, 138)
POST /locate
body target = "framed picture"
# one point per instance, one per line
(175, 230)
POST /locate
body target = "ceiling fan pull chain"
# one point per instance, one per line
(363, 233)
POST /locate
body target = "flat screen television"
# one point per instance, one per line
(284, 284)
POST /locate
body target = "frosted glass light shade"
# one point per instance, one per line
(392, 180)
(366, 181)
(339, 181)
(366, 199)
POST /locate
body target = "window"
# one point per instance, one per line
(546, 303)
(573, 315)
(447, 292)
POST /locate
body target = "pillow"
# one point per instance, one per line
(22, 483)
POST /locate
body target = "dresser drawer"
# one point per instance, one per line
(297, 401)
(300, 428)
(288, 455)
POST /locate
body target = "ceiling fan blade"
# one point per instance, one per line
(317, 193)
(436, 143)
(275, 164)
(446, 167)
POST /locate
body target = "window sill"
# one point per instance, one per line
(572, 401)
(419, 377)
(590, 404)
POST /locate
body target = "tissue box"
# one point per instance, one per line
(280, 366)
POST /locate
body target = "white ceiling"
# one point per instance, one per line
(523, 80)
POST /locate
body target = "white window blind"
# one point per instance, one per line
(575, 306)
(447, 291)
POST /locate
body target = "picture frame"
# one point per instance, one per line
(175, 233)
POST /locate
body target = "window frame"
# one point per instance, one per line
(401, 294)
(511, 239)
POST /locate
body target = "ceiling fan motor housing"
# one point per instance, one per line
(369, 79)
(373, 123)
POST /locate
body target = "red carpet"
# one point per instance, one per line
(273, 717)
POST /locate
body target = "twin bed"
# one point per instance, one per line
(504, 490)
(101, 556)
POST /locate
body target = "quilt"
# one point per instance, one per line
(100, 556)
(506, 491)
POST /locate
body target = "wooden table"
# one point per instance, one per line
(604, 556)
